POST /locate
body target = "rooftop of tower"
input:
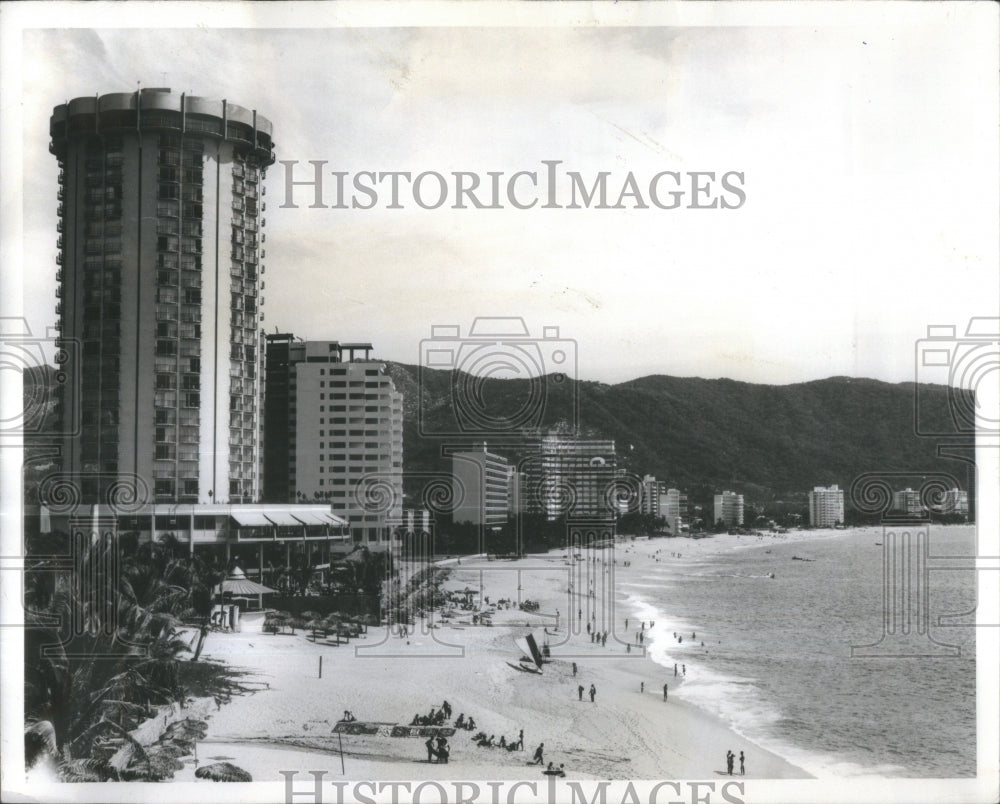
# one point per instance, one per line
(159, 109)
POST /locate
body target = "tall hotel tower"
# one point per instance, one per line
(160, 247)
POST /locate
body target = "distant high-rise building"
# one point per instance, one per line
(826, 506)
(673, 508)
(571, 477)
(650, 492)
(160, 259)
(515, 493)
(481, 487)
(729, 509)
(907, 502)
(335, 433)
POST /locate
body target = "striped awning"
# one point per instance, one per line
(252, 519)
(283, 518)
(311, 518)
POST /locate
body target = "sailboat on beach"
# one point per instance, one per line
(529, 648)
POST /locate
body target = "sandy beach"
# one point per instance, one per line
(625, 733)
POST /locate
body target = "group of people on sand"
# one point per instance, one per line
(462, 723)
(731, 760)
(436, 717)
(551, 769)
(491, 742)
(440, 751)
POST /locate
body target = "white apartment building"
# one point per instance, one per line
(826, 506)
(729, 508)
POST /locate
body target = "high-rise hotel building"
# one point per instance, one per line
(480, 487)
(570, 477)
(728, 509)
(335, 433)
(161, 217)
(826, 506)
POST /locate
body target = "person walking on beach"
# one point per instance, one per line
(742, 769)
(574, 670)
(579, 692)
(520, 740)
(675, 669)
(538, 755)
(730, 756)
(593, 693)
(642, 686)
(684, 669)
(626, 623)
(664, 692)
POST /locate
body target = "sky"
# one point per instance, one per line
(867, 147)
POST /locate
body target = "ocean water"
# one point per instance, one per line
(776, 662)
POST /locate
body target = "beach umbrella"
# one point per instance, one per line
(237, 583)
(223, 772)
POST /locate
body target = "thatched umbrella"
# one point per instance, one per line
(334, 622)
(276, 619)
(237, 583)
(223, 772)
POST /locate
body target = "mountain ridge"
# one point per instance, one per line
(697, 432)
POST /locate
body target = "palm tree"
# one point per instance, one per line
(120, 613)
